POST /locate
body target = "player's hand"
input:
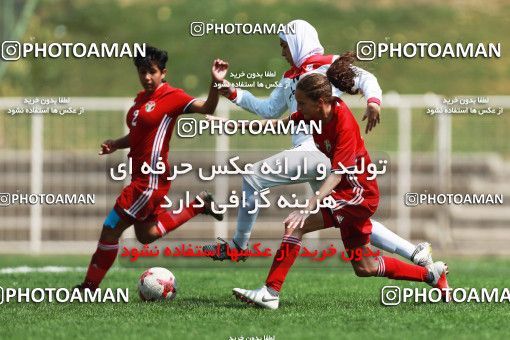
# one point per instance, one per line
(226, 89)
(219, 70)
(296, 219)
(372, 114)
(107, 147)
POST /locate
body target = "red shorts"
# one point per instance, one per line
(139, 202)
(353, 221)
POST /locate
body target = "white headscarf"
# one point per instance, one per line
(303, 43)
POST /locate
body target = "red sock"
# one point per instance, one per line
(398, 270)
(168, 221)
(283, 260)
(101, 261)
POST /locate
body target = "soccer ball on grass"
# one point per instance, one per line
(157, 284)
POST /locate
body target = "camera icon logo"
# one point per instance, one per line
(411, 199)
(366, 50)
(11, 50)
(197, 28)
(390, 295)
(187, 128)
(5, 199)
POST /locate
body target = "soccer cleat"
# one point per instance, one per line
(438, 271)
(222, 253)
(208, 201)
(422, 256)
(260, 297)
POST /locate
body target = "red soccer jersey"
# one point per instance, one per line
(151, 121)
(341, 141)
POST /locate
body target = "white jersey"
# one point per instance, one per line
(283, 97)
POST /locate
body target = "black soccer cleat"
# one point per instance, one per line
(208, 201)
(222, 254)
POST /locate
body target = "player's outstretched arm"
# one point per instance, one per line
(367, 83)
(111, 145)
(240, 123)
(296, 219)
(372, 113)
(218, 73)
(272, 107)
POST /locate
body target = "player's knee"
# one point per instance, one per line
(109, 235)
(147, 236)
(144, 238)
(249, 195)
(113, 227)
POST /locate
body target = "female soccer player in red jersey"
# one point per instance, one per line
(355, 198)
(302, 49)
(150, 120)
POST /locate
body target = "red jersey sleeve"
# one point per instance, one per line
(178, 102)
(345, 148)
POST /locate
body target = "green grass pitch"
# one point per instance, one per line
(316, 303)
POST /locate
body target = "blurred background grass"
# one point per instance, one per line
(340, 25)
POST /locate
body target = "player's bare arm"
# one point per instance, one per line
(355, 80)
(264, 122)
(372, 116)
(245, 123)
(329, 184)
(372, 93)
(226, 89)
(111, 145)
(296, 219)
(218, 73)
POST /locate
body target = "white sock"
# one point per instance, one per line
(387, 240)
(245, 221)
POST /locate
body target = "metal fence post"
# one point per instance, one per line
(404, 166)
(221, 184)
(36, 181)
(444, 167)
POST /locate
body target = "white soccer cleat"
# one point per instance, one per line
(422, 256)
(261, 297)
(439, 270)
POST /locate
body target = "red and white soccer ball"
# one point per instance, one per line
(157, 284)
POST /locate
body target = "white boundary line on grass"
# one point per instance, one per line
(46, 269)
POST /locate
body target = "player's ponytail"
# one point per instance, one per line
(341, 74)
